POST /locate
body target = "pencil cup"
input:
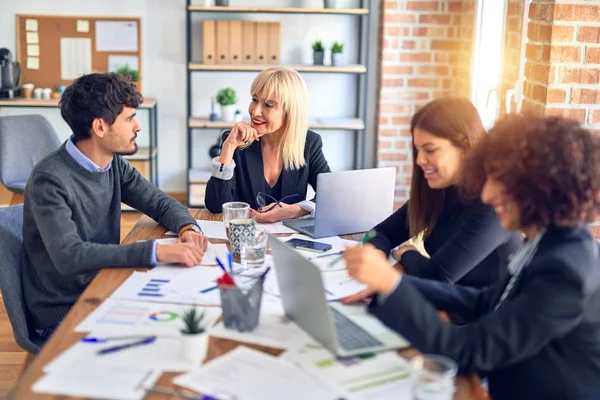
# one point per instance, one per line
(241, 310)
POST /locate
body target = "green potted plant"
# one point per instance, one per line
(318, 52)
(337, 54)
(227, 98)
(132, 75)
(330, 3)
(193, 335)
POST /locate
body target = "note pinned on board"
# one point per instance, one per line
(32, 38)
(83, 25)
(75, 57)
(117, 36)
(33, 63)
(33, 50)
(31, 25)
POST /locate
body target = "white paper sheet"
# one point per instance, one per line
(380, 376)
(339, 284)
(32, 38)
(164, 354)
(141, 286)
(275, 228)
(75, 57)
(274, 330)
(211, 229)
(244, 373)
(115, 62)
(120, 317)
(94, 381)
(116, 36)
(33, 63)
(33, 50)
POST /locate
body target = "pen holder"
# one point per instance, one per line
(241, 310)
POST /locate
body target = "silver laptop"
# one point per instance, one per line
(345, 330)
(349, 202)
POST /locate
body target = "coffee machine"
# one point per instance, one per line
(10, 72)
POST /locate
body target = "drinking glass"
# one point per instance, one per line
(434, 377)
(234, 210)
(253, 252)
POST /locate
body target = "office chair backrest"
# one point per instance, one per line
(24, 141)
(11, 244)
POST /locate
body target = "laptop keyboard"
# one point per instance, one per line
(308, 228)
(350, 335)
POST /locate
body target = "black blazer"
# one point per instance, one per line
(544, 340)
(249, 177)
(467, 245)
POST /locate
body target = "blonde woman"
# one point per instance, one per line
(269, 162)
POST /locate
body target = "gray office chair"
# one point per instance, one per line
(24, 141)
(11, 244)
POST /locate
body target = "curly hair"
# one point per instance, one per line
(96, 96)
(550, 166)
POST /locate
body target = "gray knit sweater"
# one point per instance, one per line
(71, 229)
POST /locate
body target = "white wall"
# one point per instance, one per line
(164, 70)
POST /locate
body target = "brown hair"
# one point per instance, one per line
(457, 120)
(550, 166)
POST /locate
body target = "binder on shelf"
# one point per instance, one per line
(235, 42)
(274, 42)
(208, 42)
(222, 36)
(262, 43)
(248, 42)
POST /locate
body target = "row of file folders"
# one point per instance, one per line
(240, 42)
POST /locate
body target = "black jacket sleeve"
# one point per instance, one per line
(393, 231)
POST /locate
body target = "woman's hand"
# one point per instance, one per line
(397, 254)
(241, 134)
(277, 213)
(369, 265)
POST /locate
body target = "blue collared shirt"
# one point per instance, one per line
(91, 166)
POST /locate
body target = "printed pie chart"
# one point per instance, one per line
(163, 316)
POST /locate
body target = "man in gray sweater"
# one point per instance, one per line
(72, 210)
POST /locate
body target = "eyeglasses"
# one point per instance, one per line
(262, 199)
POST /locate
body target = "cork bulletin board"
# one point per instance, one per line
(55, 49)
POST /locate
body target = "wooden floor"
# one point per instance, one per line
(11, 355)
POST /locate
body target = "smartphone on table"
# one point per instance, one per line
(302, 244)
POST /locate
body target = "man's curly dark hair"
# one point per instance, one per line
(96, 96)
(549, 165)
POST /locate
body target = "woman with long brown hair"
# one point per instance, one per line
(465, 241)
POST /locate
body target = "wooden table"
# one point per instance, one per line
(102, 287)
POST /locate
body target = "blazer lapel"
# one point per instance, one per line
(255, 171)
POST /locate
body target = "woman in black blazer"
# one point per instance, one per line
(536, 335)
(464, 239)
(274, 157)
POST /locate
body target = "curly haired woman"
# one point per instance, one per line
(535, 335)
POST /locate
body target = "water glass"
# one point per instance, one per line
(253, 252)
(434, 377)
(234, 210)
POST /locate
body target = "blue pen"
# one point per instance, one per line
(221, 264)
(113, 349)
(107, 339)
(230, 258)
(264, 273)
(209, 289)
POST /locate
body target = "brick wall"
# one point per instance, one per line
(512, 50)
(425, 54)
(563, 60)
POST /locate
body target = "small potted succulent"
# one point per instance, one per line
(193, 335)
(227, 98)
(337, 54)
(318, 52)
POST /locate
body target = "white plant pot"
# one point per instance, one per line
(228, 113)
(194, 347)
(338, 59)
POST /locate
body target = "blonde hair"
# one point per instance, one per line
(287, 88)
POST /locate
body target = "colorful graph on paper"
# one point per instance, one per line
(153, 288)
